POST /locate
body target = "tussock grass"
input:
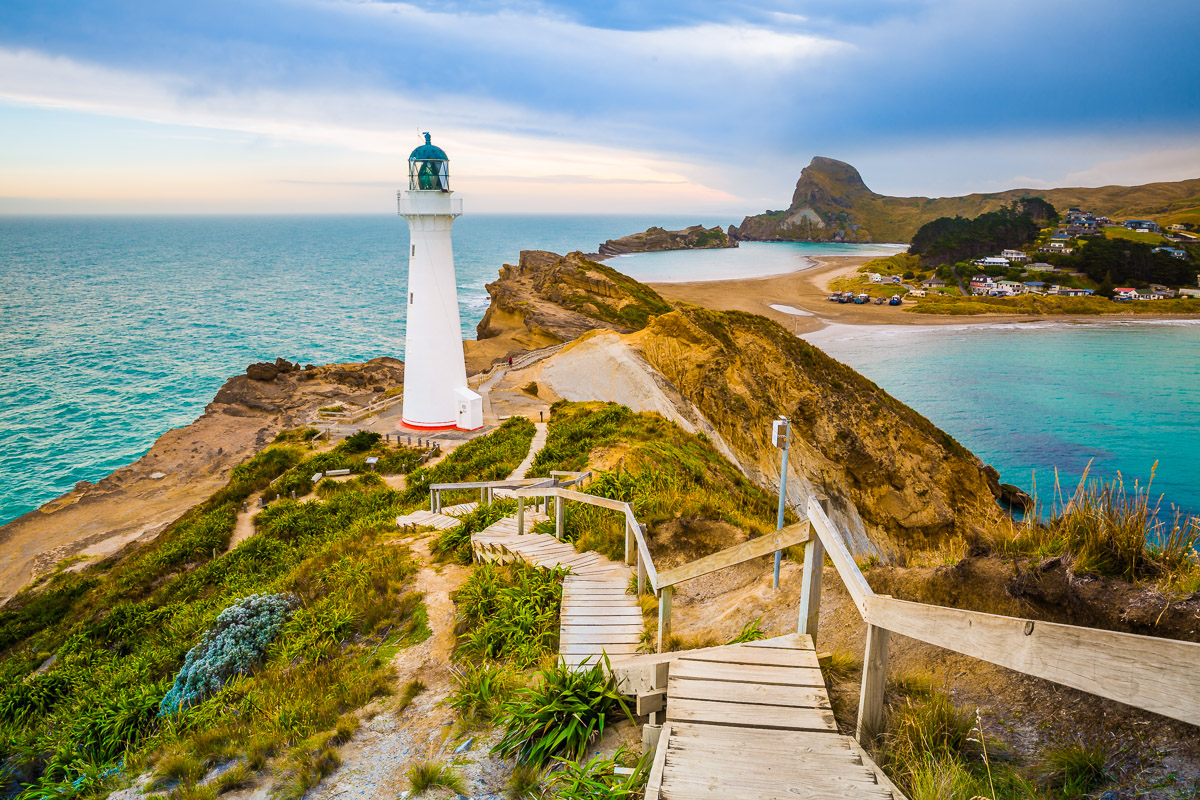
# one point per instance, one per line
(407, 694)
(480, 691)
(1074, 769)
(425, 775)
(1108, 530)
(526, 782)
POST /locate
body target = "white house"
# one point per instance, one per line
(1126, 293)
(1014, 256)
(875, 277)
(992, 261)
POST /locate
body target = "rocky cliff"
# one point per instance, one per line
(831, 203)
(655, 239)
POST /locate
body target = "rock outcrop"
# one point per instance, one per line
(548, 299)
(655, 239)
(831, 203)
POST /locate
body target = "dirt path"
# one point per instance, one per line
(375, 761)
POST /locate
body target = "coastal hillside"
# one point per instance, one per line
(896, 480)
(832, 203)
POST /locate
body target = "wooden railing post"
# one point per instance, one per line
(432, 501)
(558, 518)
(870, 698)
(520, 515)
(641, 573)
(810, 587)
(664, 616)
(629, 541)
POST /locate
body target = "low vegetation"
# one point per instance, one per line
(1107, 530)
(508, 613)
(664, 472)
(1047, 305)
(487, 458)
(560, 714)
(182, 655)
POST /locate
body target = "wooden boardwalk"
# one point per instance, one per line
(427, 519)
(753, 721)
(598, 614)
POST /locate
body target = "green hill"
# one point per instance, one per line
(832, 203)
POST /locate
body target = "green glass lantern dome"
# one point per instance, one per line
(429, 168)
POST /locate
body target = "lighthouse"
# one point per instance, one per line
(436, 395)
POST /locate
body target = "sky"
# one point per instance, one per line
(700, 106)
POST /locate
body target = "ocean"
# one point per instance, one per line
(1045, 401)
(116, 329)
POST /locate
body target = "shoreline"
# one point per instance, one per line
(807, 290)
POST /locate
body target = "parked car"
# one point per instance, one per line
(880, 301)
(836, 297)
(896, 300)
(862, 299)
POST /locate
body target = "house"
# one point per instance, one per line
(1041, 266)
(1035, 286)
(921, 293)
(1069, 291)
(1146, 225)
(1015, 256)
(1058, 247)
(1125, 293)
(933, 283)
(1010, 287)
(1171, 251)
(1179, 226)
(992, 261)
(1189, 293)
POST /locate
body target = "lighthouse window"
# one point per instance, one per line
(410, 298)
(414, 250)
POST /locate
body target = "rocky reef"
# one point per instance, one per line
(656, 239)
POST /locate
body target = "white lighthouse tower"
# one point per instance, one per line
(435, 375)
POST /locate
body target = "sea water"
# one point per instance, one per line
(113, 330)
(1045, 401)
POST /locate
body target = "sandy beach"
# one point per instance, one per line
(807, 291)
(800, 301)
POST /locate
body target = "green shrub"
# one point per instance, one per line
(565, 710)
(509, 613)
(750, 633)
(360, 441)
(1075, 769)
(235, 645)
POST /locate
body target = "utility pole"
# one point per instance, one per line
(781, 437)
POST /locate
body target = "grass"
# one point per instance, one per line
(526, 782)
(1074, 769)
(664, 472)
(487, 458)
(1047, 305)
(425, 775)
(407, 694)
(480, 691)
(597, 779)
(1120, 232)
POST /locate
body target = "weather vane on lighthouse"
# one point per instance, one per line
(436, 395)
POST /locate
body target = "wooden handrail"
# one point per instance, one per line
(792, 535)
(1148, 672)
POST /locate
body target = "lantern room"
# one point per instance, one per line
(428, 169)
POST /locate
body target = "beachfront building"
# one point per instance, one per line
(1014, 256)
(1126, 293)
(436, 395)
